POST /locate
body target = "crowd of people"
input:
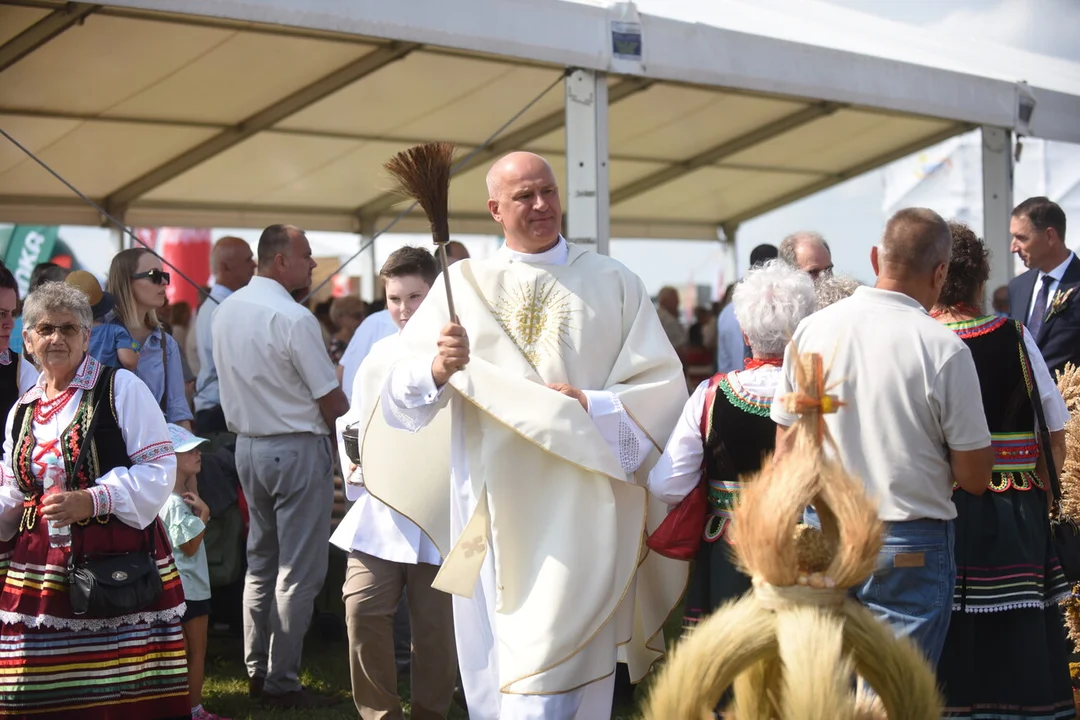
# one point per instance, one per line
(504, 465)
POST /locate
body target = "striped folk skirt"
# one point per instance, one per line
(54, 664)
(1006, 654)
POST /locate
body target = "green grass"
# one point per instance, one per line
(326, 669)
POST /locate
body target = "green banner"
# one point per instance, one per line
(28, 246)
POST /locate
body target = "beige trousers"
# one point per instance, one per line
(371, 593)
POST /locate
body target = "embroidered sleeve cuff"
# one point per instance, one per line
(626, 439)
(103, 500)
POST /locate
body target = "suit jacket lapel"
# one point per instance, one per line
(1072, 273)
(1070, 279)
(1025, 285)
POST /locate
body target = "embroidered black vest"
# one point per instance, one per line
(1004, 381)
(107, 448)
(9, 387)
(741, 434)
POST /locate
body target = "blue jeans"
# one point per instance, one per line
(912, 586)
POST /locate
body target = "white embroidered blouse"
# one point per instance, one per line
(135, 494)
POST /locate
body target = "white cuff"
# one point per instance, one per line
(627, 441)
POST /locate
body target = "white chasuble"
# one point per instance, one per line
(564, 522)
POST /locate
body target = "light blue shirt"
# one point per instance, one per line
(730, 348)
(152, 372)
(182, 525)
(207, 394)
(16, 343)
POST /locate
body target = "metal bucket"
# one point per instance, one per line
(351, 436)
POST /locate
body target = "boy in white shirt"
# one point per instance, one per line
(388, 553)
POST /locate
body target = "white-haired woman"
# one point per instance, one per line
(726, 423)
(104, 664)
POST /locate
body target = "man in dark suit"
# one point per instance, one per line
(1045, 297)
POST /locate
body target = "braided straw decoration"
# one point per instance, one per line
(790, 647)
(1068, 381)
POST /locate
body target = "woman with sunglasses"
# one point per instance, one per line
(138, 282)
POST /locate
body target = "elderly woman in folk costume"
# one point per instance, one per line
(733, 409)
(60, 513)
(1006, 645)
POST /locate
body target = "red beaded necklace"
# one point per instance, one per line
(45, 409)
(751, 363)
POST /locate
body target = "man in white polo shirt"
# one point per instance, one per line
(281, 396)
(913, 421)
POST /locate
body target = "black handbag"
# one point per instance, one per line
(112, 585)
(1063, 530)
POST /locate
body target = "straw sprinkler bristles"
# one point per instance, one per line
(423, 173)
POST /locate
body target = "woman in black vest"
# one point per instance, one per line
(1005, 653)
(725, 427)
(97, 665)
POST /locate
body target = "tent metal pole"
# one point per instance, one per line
(997, 184)
(587, 196)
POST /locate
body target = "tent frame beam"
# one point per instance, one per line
(849, 173)
(265, 118)
(359, 137)
(723, 150)
(58, 21)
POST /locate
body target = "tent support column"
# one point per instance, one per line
(119, 238)
(997, 183)
(370, 289)
(588, 206)
(729, 258)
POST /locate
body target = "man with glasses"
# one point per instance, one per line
(807, 251)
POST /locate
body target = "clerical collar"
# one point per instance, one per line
(555, 256)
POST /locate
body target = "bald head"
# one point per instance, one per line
(232, 262)
(916, 242)
(512, 166)
(523, 197)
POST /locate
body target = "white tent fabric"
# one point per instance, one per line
(244, 112)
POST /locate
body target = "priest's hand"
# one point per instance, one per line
(571, 392)
(453, 353)
(65, 508)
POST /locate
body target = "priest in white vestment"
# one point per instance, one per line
(546, 407)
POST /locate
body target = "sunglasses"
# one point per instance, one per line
(67, 330)
(816, 273)
(158, 277)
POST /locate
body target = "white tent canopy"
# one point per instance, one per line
(243, 112)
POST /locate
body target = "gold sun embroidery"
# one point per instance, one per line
(536, 316)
